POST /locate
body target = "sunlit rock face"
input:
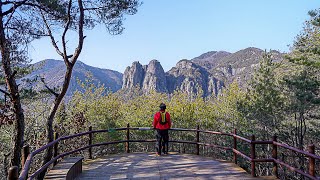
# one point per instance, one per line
(206, 75)
(155, 78)
(188, 77)
(133, 76)
(147, 78)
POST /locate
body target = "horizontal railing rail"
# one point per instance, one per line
(27, 160)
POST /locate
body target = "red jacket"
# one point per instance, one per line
(156, 124)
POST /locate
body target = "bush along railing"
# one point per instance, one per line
(28, 157)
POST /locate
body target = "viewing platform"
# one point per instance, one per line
(137, 164)
(172, 166)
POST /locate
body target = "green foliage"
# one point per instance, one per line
(109, 110)
(139, 111)
(302, 83)
(182, 108)
(304, 88)
(264, 103)
(225, 109)
(100, 110)
(306, 48)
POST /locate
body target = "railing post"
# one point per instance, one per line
(235, 146)
(253, 156)
(198, 139)
(25, 153)
(90, 142)
(55, 147)
(128, 138)
(311, 150)
(13, 173)
(275, 156)
(183, 148)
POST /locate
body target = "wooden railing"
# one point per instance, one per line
(28, 157)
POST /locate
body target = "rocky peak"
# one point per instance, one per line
(133, 76)
(208, 73)
(155, 78)
(187, 77)
(210, 59)
(154, 66)
(147, 77)
(185, 64)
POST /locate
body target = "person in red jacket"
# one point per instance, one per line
(162, 122)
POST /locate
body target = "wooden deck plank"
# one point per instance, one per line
(149, 166)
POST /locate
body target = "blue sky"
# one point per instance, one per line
(171, 30)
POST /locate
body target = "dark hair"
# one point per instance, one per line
(162, 106)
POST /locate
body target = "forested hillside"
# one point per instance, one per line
(52, 73)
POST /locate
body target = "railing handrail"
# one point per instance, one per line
(252, 159)
(25, 169)
(297, 150)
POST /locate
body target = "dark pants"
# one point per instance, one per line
(162, 141)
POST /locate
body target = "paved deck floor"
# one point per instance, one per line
(150, 166)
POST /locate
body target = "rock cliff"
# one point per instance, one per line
(147, 78)
(207, 74)
(186, 77)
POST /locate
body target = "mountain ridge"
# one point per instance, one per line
(207, 73)
(53, 71)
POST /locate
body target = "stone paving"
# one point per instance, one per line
(150, 166)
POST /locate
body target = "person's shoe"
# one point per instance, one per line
(157, 154)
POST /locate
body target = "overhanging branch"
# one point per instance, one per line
(13, 74)
(53, 41)
(80, 33)
(65, 58)
(49, 89)
(15, 5)
(5, 92)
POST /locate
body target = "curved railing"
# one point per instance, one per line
(28, 157)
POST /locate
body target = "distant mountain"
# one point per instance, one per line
(239, 65)
(210, 59)
(208, 73)
(53, 73)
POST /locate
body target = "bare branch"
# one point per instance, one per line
(65, 58)
(6, 24)
(5, 92)
(12, 9)
(42, 8)
(80, 32)
(50, 90)
(95, 8)
(13, 74)
(53, 41)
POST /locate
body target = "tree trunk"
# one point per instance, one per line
(301, 139)
(69, 65)
(14, 96)
(49, 130)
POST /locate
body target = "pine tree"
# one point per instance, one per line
(264, 103)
